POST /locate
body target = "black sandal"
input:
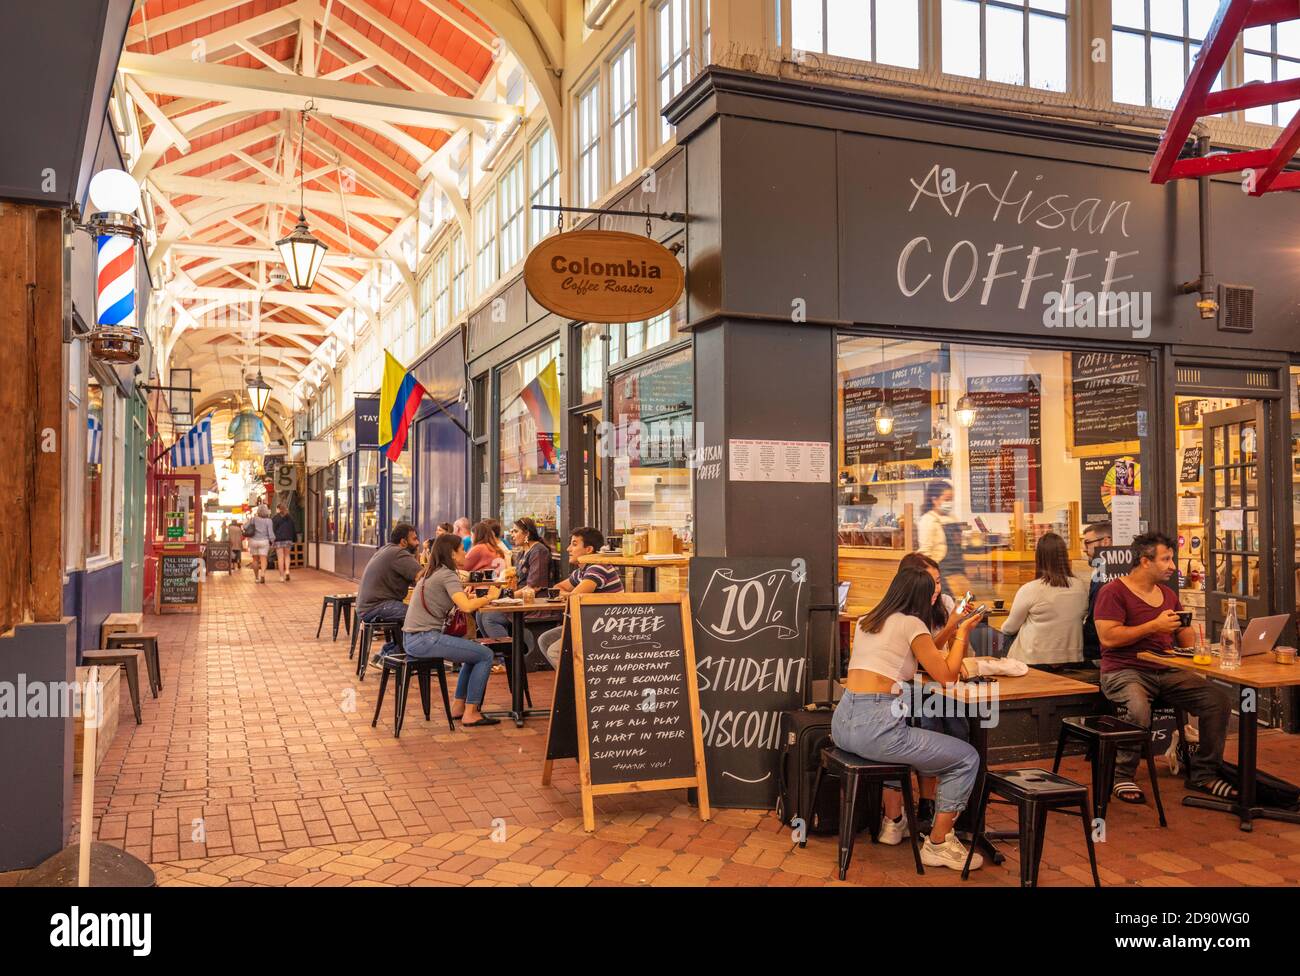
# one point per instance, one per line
(1129, 792)
(483, 720)
(1219, 788)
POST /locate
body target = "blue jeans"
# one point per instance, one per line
(875, 727)
(388, 612)
(494, 624)
(473, 680)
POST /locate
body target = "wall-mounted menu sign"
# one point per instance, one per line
(217, 555)
(1004, 445)
(1104, 395)
(604, 276)
(909, 390)
(751, 630)
(626, 698)
(178, 581)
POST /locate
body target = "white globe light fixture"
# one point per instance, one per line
(301, 253)
(114, 191)
(884, 421)
(115, 197)
(965, 411)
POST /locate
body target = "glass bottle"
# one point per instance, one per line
(1230, 659)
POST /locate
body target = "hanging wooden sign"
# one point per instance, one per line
(604, 276)
(626, 704)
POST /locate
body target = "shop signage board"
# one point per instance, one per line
(790, 461)
(1104, 396)
(604, 276)
(1005, 442)
(750, 617)
(912, 394)
(178, 581)
(366, 412)
(626, 703)
(1101, 479)
(1111, 562)
(217, 555)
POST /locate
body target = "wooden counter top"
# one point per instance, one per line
(640, 562)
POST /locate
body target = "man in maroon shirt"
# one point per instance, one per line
(1138, 612)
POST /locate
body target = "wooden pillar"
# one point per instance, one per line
(31, 408)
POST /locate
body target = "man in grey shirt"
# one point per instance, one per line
(388, 576)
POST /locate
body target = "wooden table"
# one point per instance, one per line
(647, 566)
(517, 667)
(1256, 672)
(1034, 684)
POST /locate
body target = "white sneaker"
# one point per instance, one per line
(892, 831)
(950, 854)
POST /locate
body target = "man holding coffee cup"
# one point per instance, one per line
(1136, 613)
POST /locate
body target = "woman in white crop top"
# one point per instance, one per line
(871, 719)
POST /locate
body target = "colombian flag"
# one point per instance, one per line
(399, 398)
(542, 398)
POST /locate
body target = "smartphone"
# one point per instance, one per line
(965, 602)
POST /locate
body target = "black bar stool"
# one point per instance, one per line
(342, 604)
(146, 644)
(392, 630)
(853, 771)
(403, 666)
(1035, 792)
(129, 660)
(1104, 735)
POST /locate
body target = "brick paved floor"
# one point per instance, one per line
(258, 766)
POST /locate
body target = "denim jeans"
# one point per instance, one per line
(875, 727)
(494, 624)
(549, 642)
(388, 612)
(473, 680)
(1132, 692)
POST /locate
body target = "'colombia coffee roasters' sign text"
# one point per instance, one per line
(604, 276)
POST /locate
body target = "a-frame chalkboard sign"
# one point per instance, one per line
(626, 703)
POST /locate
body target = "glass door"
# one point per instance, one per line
(1237, 516)
(592, 472)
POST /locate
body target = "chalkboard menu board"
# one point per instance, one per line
(1190, 471)
(1106, 400)
(217, 555)
(1110, 562)
(178, 580)
(751, 639)
(631, 663)
(1004, 445)
(909, 391)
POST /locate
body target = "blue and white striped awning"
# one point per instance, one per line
(195, 447)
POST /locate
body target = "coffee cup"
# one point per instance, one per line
(999, 604)
(1185, 618)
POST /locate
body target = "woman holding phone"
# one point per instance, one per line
(871, 718)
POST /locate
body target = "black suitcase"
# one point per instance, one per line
(803, 733)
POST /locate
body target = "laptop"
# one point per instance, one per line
(844, 595)
(1257, 636)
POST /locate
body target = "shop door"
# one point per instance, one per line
(592, 508)
(133, 502)
(1238, 523)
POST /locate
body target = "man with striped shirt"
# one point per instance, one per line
(592, 578)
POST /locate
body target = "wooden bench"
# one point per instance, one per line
(120, 623)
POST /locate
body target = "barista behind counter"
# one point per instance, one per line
(939, 537)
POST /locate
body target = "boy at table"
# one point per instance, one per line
(1138, 612)
(592, 578)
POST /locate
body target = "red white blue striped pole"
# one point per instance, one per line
(116, 281)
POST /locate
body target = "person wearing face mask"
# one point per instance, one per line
(939, 537)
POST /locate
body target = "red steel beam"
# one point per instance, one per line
(1265, 12)
(1228, 23)
(1233, 162)
(1283, 149)
(1252, 95)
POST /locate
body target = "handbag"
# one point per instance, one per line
(454, 625)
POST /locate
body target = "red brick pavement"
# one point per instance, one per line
(258, 766)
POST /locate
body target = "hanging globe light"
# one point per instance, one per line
(884, 421)
(301, 252)
(246, 433)
(259, 391)
(965, 411)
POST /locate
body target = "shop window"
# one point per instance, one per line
(345, 501)
(592, 341)
(328, 530)
(543, 183)
(1272, 53)
(99, 435)
(400, 508)
(485, 240)
(1015, 42)
(510, 200)
(622, 112)
(651, 416)
(368, 498)
(426, 310)
(589, 145)
(1154, 44)
(636, 338)
(530, 438)
(672, 27)
(442, 291)
(459, 276)
(886, 31)
(987, 449)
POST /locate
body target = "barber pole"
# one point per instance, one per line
(116, 279)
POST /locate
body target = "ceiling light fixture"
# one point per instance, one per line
(302, 253)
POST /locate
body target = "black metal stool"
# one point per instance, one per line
(392, 631)
(403, 666)
(129, 660)
(342, 604)
(853, 771)
(1104, 735)
(1035, 792)
(148, 645)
